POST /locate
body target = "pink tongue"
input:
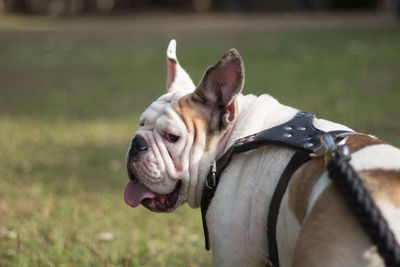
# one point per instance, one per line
(135, 192)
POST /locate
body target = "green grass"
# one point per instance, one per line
(70, 101)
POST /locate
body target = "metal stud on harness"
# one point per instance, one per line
(300, 134)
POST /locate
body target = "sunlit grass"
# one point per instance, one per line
(61, 188)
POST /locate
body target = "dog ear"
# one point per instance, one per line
(177, 78)
(220, 86)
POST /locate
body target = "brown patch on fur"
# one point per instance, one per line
(306, 176)
(190, 114)
(357, 142)
(383, 184)
(330, 236)
(301, 185)
(190, 111)
(331, 226)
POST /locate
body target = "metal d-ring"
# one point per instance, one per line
(213, 175)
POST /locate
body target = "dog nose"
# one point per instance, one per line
(138, 145)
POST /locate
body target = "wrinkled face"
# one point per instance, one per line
(179, 134)
(159, 156)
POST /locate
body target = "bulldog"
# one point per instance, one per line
(190, 126)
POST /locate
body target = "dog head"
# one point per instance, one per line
(181, 133)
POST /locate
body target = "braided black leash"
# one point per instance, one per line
(362, 204)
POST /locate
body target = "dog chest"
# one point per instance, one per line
(238, 212)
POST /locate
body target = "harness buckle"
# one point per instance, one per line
(330, 146)
(213, 175)
(268, 263)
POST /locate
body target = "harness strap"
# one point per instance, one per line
(363, 206)
(340, 171)
(298, 133)
(298, 159)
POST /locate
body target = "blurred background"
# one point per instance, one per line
(78, 7)
(75, 76)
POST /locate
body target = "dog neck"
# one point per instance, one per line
(258, 113)
(254, 114)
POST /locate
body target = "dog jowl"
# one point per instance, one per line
(185, 130)
(181, 132)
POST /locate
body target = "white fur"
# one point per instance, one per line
(241, 203)
(165, 164)
(238, 213)
(237, 216)
(181, 82)
(319, 187)
(392, 213)
(381, 156)
(160, 118)
(288, 229)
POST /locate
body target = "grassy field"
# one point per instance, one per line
(71, 92)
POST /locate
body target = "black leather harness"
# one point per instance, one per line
(299, 134)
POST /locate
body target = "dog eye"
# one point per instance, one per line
(172, 138)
